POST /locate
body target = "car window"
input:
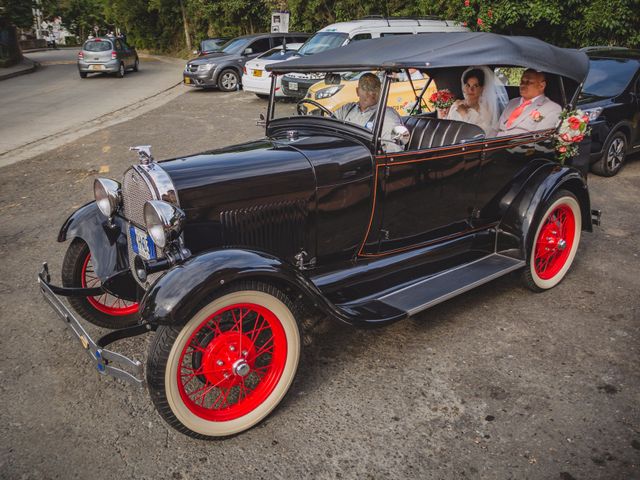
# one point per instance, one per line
(277, 41)
(608, 77)
(234, 46)
(260, 46)
(278, 54)
(322, 41)
(298, 39)
(361, 36)
(97, 46)
(118, 45)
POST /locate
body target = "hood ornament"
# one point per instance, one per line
(144, 154)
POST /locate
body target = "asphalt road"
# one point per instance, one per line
(498, 383)
(36, 109)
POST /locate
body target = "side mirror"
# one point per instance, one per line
(247, 51)
(332, 79)
(400, 135)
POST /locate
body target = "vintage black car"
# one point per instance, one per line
(611, 98)
(225, 254)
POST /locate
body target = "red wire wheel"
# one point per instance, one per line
(555, 243)
(105, 303)
(103, 310)
(229, 366)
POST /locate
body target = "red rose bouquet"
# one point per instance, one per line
(573, 129)
(442, 99)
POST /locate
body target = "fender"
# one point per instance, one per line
(526, 208)
(108, 247)
(181, 291)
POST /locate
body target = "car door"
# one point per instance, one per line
(426, 193)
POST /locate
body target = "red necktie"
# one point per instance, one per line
(516, 113)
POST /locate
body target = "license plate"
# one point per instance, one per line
(293, 85)
(96, 67)
(187, 80)
(257, 73)
(142, 243)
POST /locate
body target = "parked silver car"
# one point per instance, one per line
(107, 55)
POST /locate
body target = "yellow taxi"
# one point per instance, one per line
(402, 96)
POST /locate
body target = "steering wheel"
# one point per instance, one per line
(315, 104)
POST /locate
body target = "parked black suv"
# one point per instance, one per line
(611, 97)
(223, 69)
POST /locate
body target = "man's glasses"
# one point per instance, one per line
(528, 82)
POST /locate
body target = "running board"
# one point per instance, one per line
(443, 286)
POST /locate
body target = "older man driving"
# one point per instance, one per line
(363, 112)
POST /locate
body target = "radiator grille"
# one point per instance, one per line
(135, 192)
(276, 227)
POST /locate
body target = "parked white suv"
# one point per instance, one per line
(339, 34)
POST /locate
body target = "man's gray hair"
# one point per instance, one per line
(369, 83)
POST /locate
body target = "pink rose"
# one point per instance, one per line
(464, 24)
(577, 139)
(585, 118)
(489, 14)
(536, 116)
(565, 137)
(466, 3)
(562, 149)
(480, 21)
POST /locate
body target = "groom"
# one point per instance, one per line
(532, 110)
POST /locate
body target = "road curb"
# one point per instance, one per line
(24, 67)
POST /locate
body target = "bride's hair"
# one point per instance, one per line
(474, 73)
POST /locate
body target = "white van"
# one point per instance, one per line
(339, 34)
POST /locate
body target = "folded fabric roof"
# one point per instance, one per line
(440, 50)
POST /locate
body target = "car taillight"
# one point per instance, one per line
(80, 55)
(244, 70)
(114, 55)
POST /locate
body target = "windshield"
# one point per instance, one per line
(608, 77)
(208, 45)
(322, 41)
(235, 45)
(278, 54)
(97, 46)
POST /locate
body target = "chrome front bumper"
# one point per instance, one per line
(105, 360)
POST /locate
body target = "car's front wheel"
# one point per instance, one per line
(136, 65)
(555, 243)
(229, 365)
(104, 310)
(612, 160)
(228, 80)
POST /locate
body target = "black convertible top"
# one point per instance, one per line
(439, 50)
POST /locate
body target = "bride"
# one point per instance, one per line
(484, 99)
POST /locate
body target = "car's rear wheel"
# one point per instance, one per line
(612, 160)
(229, 366)
(83, 74)
(228, 80)
(104, 310)
(136, 65)
(555, 243)
(121, 71)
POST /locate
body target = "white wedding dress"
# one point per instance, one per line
(481, 117)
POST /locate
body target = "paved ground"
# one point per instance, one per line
(498, 383)
(53, 106)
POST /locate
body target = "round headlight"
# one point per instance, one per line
(164, 221)
(108, 195)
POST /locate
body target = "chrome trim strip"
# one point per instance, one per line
(161, 183)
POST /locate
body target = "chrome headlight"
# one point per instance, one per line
(206, 67)
(164, 221)
(593, 113)
(328, 92)
(108, 195)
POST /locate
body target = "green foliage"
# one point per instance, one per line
(159, 24)
(17, 12)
